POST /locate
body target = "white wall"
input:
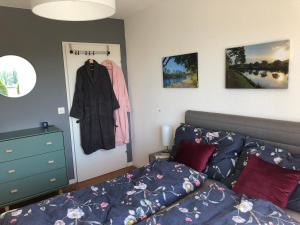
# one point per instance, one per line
(207, 27)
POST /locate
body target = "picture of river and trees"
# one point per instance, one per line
(181, 71)
(258, 66)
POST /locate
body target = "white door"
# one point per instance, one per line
(99, 162)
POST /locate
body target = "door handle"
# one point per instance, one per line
(9, 151)
(49, 143)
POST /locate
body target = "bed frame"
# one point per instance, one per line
(283, 134)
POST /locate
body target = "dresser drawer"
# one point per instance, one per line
(29, 146)
(30, 166)
(35, 185)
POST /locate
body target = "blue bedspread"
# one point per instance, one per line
(124, 200)
(217, 205)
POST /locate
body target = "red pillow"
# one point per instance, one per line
(267, 181)
(194, 155)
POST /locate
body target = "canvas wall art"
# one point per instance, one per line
(263, 66)
(180, 71)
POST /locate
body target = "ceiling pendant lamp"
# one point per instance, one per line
(74, 10)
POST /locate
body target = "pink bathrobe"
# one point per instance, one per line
(120, 89)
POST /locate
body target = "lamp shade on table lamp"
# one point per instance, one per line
(166, 134)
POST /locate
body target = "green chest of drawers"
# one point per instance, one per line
(32, 162)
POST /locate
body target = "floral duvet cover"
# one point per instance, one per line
(122, 201)
(218, 205)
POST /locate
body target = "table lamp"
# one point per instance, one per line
(166, 135)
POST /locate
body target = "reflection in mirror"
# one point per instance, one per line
(17, 76)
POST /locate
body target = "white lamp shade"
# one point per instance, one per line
(166, 134)
(74, 10)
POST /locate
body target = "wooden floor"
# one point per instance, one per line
(77, 186)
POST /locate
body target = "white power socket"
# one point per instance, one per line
(61, 110)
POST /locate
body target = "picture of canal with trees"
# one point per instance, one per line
(258, 66)
(180, 71)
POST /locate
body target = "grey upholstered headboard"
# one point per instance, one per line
(283, 134)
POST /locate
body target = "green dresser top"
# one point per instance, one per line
(28, 133)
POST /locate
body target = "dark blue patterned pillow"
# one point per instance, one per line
(228, 144)
(223, 161)
(294, 200)
(239, 166)
(270, 154)
(186, 132)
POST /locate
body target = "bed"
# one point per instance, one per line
(165, 193)
(284, 134)
(125, 200)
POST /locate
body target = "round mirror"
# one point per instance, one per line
(17, 76)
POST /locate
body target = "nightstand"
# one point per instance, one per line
(161, 155)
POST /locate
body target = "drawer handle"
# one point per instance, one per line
(13, 191)
(11, 171)
(49, 143)
(52, 180)
(9, 151)
(51, 162)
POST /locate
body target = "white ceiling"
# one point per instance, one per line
(125, 8)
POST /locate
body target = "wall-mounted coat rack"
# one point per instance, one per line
(89, 52)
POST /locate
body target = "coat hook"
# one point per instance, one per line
(71, 49)
(107, 50)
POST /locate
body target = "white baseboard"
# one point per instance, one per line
(130, 164)
(73, 181)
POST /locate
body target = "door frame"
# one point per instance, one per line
(65, 53)
(65, 46)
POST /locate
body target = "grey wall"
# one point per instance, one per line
(40, 41)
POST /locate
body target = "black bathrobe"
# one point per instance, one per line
(94, 104)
